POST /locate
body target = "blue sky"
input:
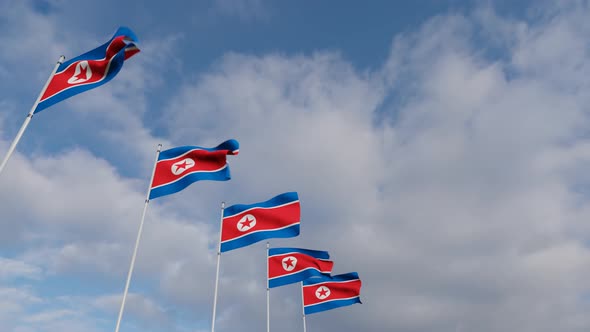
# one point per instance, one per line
(439, 149)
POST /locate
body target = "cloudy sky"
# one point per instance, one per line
(440, 149)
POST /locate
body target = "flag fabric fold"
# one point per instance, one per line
(291, 265)
(326, 293)
(245, 224)
(89, 70)
(178, 167)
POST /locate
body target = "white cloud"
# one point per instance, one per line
(444, 201)
(137, 307)
(13, 303)
(11, 268)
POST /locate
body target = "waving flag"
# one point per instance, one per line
(179, 167)
(290, 265)
(89, 70)
(244, 224)
(326, 293)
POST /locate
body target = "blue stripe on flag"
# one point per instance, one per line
(281, 199)
(231, 145)
(341, 277)
(329, 305)
(221, 175)
(313, 253)
(254, 237)
(295, 277)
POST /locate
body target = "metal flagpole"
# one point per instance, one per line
(29, 116)
(147, 201)
(267, 292)
(303, 309)
(217, 273)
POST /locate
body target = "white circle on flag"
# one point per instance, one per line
(322, 292)
(246, 223)
(180, 167)
(82, 73)
(289, 263)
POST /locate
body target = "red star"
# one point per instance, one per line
(322, 292)
(289, 262)
(182, 166)
(82, 74)
(247, 222)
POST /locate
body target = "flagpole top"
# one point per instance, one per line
(61, 59)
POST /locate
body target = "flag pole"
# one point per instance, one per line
(217, 273)
(267, 291)
(147, 201)
(303, 309)
(29, 116)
